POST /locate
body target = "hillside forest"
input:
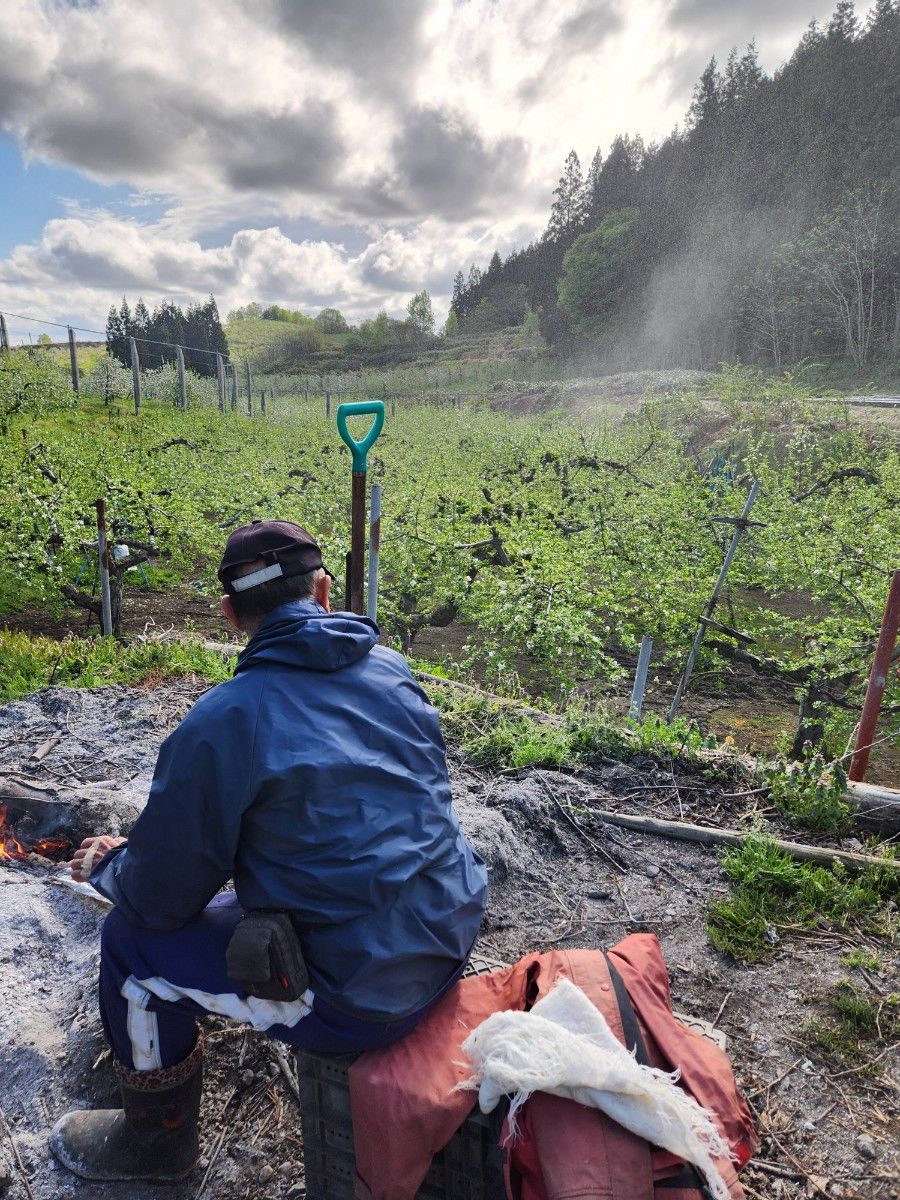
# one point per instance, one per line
(764, 230)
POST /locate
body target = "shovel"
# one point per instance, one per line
(359, 451)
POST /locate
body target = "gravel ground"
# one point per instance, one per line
(826, 1131)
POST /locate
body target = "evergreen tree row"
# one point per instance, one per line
(198, 329)
(765, 229)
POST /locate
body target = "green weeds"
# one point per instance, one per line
(772, 894)
(861, 958)
(811, 793)
(853, 1025)
(498, 735)
(28, 664)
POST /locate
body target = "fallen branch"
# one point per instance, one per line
(682, 831)
(285, 1068)
(15, 1149)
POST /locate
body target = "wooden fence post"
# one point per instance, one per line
(262, 402)
(73, 360)
(249, 384)
(135, 375)
(182, 383)
(4, 335)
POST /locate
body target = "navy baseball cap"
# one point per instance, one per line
(285, 548)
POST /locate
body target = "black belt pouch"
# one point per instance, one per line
(264, 957)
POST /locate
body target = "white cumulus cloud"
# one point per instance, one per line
(433, 130)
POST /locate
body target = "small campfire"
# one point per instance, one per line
(16, 846)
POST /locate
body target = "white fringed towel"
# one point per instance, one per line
(565, 1047)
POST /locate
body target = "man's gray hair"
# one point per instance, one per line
(256, 601)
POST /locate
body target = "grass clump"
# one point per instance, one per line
(772, 893)
(853, 1025)
(28, 664)
(861, 958)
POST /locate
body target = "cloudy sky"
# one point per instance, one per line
(316, 152)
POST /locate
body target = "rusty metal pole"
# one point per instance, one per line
(887, 639)
(103, 555)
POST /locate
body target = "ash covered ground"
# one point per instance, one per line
(825, 1131)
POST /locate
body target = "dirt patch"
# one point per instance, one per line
(549, 888)
(144, 610)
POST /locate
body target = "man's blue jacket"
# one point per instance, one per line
(316, 778)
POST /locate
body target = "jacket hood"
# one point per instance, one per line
(302, 634)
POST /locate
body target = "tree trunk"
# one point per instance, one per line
(811, 724)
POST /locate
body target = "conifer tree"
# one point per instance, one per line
(115, 335)
(568, 211)
(592, 183)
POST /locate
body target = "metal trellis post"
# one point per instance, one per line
(182, 383)
(374, 552)
(135, 375)
(640, 678)
(73, 360)
(740, 524)
(220, 381)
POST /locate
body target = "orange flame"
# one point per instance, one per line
(11, 848)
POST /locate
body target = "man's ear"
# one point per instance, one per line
(230, 615)
(322, 591)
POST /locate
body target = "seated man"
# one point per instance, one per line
(316, 778)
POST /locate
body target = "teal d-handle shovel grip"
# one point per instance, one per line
(359, 450)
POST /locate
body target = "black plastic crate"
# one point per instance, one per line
(470, 1167)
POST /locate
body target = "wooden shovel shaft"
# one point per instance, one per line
(357, 540)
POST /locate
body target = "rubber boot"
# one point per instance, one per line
(152, 1136)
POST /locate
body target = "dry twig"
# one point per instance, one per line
(15, 1150)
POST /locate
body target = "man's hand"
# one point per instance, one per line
(91, 851)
